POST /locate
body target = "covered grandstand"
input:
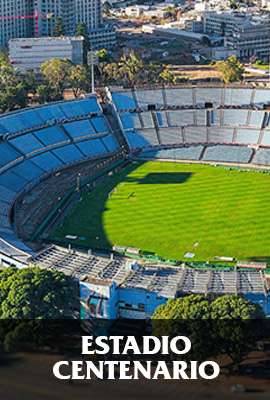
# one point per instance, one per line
(131, 289)
(49, 147)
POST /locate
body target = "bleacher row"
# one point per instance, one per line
(255, 119)
(221, 135)
(167, 282)
(37, 142)
(160, 128)
(164, 98)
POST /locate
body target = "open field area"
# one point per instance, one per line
(172, 209)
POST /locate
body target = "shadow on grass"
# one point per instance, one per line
(167, 178)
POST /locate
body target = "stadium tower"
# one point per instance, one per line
(16, 19)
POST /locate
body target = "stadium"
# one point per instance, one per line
(143, 195)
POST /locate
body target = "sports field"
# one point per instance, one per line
(173, 209)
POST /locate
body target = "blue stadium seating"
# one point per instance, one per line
(179, 97)
(256, 118)
(150, 136)
(80, 107)
(262, 157)
(47, 161)
(51, 113)
(92, 148)
(237, 96)
(100, 124)
(136, 140)
(110, 143)
(220, 135)
(235, 117)
(211, 95)
(12, 123)
(161, 119)
(266, 138)
(12, 181)
(147, 120)
(4, 208)
(90, 105)
(200, 116)
(195, 134)
(30, 118)
(8, 154)
(124, 101)
(262, 96)
(79, 129)
(181, 117)
(52, 135)
(27, 143)
(130, 121)
(170, 136)
(247, 136)
(3, 131)
(28, 171)
(4, 220)
(147, 97)
(69, 153)
(215, 117)
(223, 153)
(183, 153)
(6, 194)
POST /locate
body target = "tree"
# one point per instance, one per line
(130, 67)
(56, 74)
(231, 70)
(79, 79)
(13, 87)
(234, 307)
(219, 326)
(166, 76)
(33, 293)
(234, 316)
(152, 73)
(45, 93)
(58, 27)
(188, 307)
(103, 55)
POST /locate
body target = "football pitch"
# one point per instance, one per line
(173, 209)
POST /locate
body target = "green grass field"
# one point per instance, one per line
(171, 209)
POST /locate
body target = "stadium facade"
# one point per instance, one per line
(82, 137)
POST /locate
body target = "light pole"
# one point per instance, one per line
(78, 182)
(92, 60)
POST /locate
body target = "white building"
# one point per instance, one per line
(29, 53)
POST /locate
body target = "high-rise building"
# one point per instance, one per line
(49, 11)
(43, 15)
(16, 19)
